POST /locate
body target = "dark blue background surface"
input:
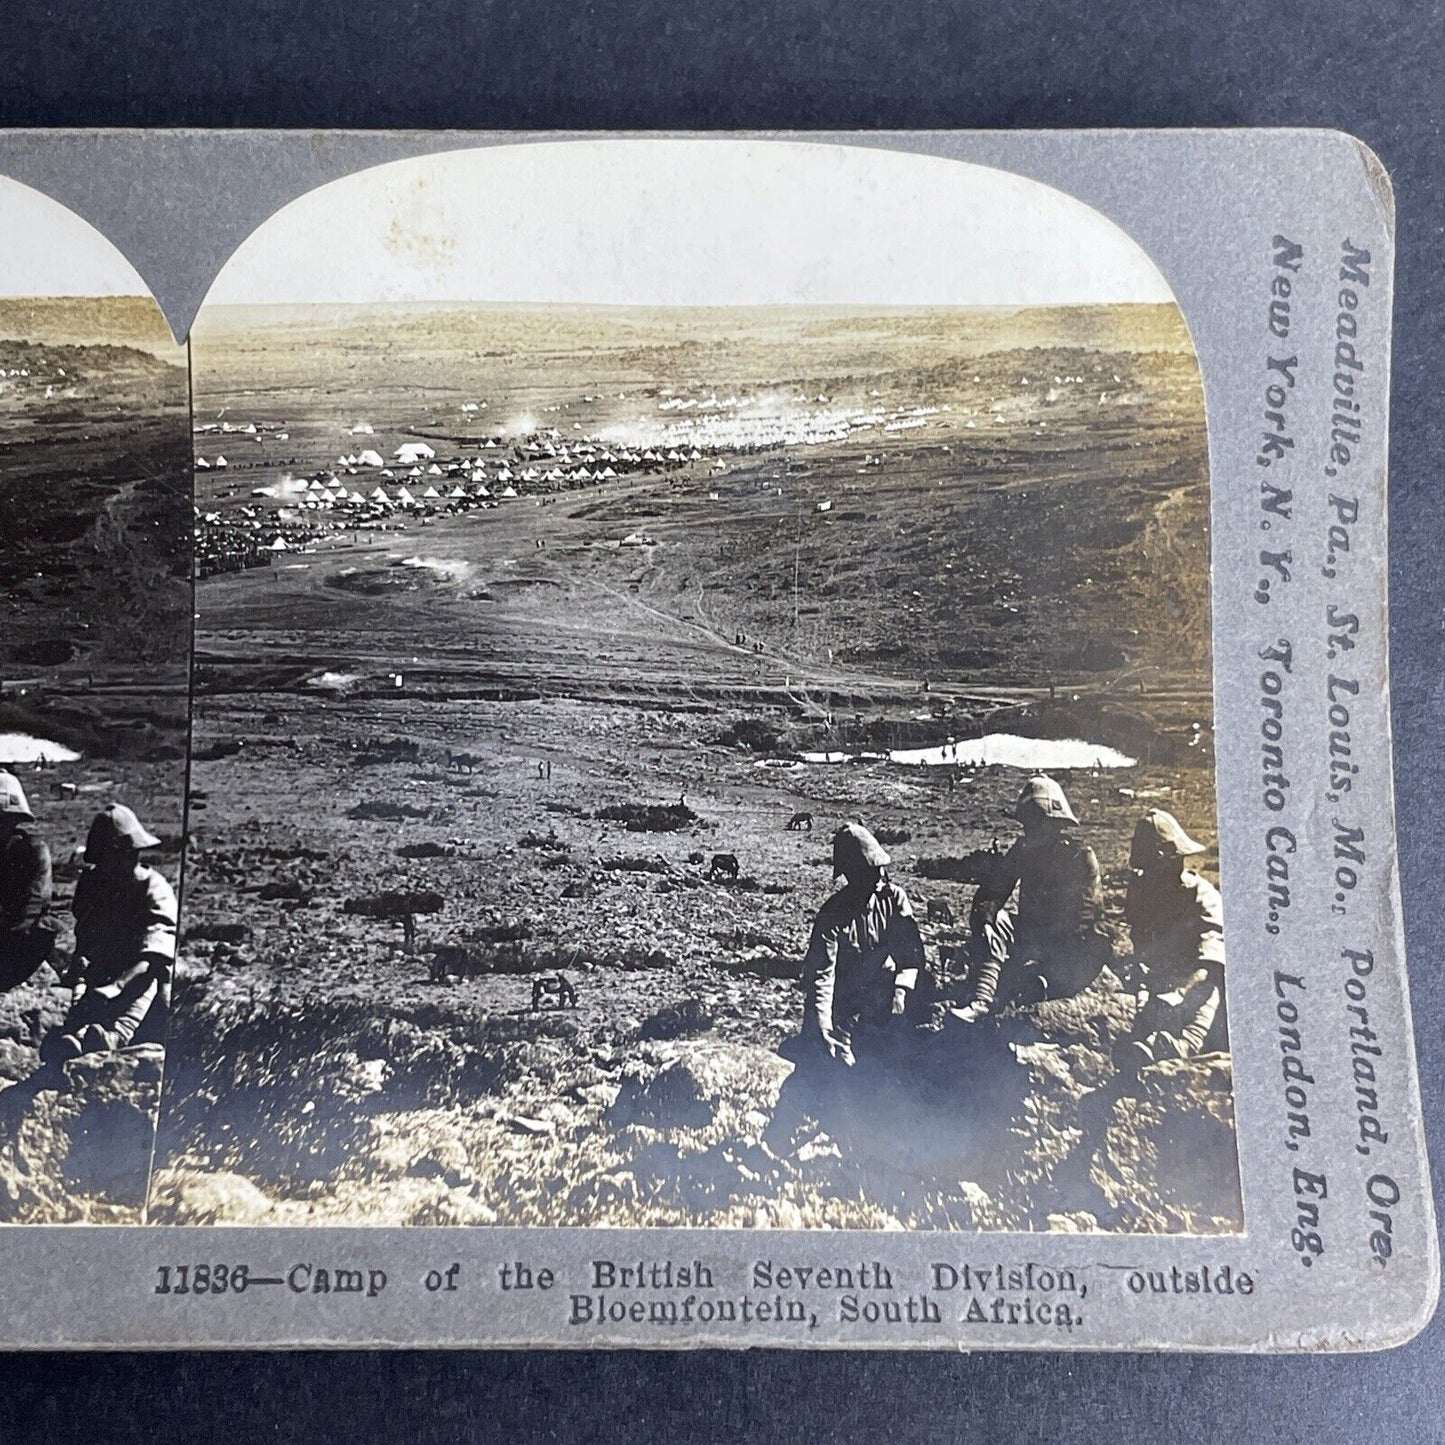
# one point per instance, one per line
(1377, 70)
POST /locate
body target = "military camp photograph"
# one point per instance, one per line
(95, 534)
(703, 708)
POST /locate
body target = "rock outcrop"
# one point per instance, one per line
(75, 1141)
(698, 1085)
(188, 1196)
(1166, 1162)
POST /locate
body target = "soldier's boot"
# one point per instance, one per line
(1026, 984)
(1167, 1046)
(990, 946)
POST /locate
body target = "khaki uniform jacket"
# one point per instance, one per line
(25, 880)
(1178, 935)
(1061, 896)
(1177, 928)
(126, 936)
(27, 931)
(859, 952)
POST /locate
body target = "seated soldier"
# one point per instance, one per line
(27, 933)
(865, 954)
(125, 944)
(1176, 920)
(1054, 944)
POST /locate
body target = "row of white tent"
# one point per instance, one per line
(249, 429)
(504, 476)
(591, 453)
(413, 453)
(410, 453)
(556, 474)
(319, 495)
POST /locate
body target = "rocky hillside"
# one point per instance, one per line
(94, 507)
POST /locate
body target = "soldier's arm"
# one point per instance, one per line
(1190, 947)
(31, 897)
(1209, 927)
(158, 941)
(820, 970)
(1091, 892)
(996, 889)
(905, 947)
(79, 965)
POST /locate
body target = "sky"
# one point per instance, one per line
(47, 250)
(688, 222)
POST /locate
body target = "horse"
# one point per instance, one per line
(553, 990)
(724, 865)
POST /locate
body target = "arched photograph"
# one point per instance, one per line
(703, 707)
(95, 534)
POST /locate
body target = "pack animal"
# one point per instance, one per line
(394, 750)
(800, 821)
(553, 990)
(452, 961)
(724, 865)
(460, 762)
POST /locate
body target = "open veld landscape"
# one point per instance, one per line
(95, 510)
(515, 620)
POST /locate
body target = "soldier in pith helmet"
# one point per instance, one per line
(1052, 944)
(125, 943)
(27, 931)
(865, 954)
(1176, 922)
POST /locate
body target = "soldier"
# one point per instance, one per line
(27, 932)
(865, 954)
(1176, 920)
(1053, 945)
(125, 944)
